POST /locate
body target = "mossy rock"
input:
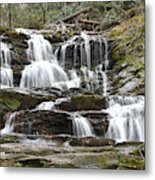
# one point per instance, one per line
(8, 139)
(132, 162)
(18, 101)
(3, 29)
(66, 165)
(15, 35)
(127, 46)
(11, 103)
(88, 102)
(35, 162)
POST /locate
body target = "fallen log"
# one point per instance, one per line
(86, 21)
(65, 19)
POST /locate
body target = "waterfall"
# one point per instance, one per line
(5, 70)
(68, 43)
(90, 78)
(126, 118)
(81, 44)
(87, 48)
(45, 106)
(104, 80)
(39, 49)
(42, 74)
(44, 70)
(9, 124)
(126, 114)
(81, 126)
(99, 68)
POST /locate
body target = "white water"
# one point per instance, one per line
(81, 126)
(44, 70)
(9, 124)
(87, 48)
(68, 43)
(90, 78)
(45, 106)
(6, 72)
(99, 68)
(39, 49)
(42, 74)
(126, 118)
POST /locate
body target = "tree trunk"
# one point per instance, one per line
(10, 17)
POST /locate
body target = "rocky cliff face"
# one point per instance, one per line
(127, 52)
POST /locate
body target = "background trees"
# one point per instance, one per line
(39, 14)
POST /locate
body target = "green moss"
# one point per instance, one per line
(36, 162)
(138, 70)
(67, 165)
(116, 31)
(132, 162)
(11, 103)
(8, 139)
(3, 29)
(128, 43)
(11, 34)
(108, 161)
(87, 102)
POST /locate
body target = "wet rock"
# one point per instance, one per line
(3, 111)
(9, 139)
(43, 122)
(17, 100)
(74, 92)
(46, 155)
(130, 86)
(83, 102)
(91, 141)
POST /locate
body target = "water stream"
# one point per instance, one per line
(6, 72)
(126, 114)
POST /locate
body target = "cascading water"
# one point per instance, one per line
(126, 118)
(6, 72)
(42, 74)
(64, 47)
(126, 114)
(90, 78)
(39, 49)
(82, 54)
(81, 126)
(87, 48)
(9, 123)
(45, 106)
(44, 70)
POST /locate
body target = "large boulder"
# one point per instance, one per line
(83, 102)
(43, 122)
(14, 99)
(92, 141)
